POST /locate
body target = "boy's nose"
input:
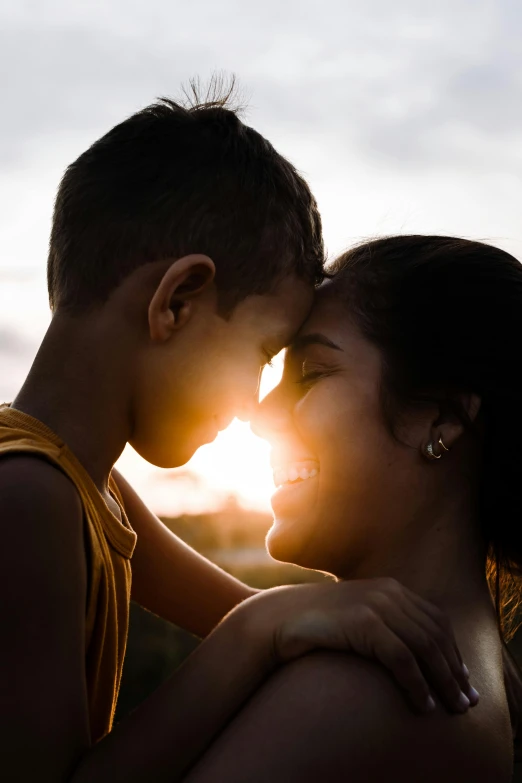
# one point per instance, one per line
(248, 409)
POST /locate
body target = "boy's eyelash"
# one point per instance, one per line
(268, 357)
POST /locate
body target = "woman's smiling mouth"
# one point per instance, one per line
(296, 483)
(295, 472)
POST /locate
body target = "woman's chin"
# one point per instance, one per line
(294, 500)
(286, 543)
(293, 505)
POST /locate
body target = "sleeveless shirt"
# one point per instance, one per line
(109, 545)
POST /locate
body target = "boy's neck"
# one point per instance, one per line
(80, 387)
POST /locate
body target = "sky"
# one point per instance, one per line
(403, 117)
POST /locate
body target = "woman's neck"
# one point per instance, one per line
(439, 555)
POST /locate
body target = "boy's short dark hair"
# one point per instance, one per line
(174, 179)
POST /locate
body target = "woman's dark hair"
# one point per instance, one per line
(447, 316)
(178, 178)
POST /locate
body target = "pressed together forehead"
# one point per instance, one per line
(280, 313)
(332, 337)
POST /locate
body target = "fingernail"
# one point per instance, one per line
(463, 702)
(473, 696)
(465, 670)
(430, 704)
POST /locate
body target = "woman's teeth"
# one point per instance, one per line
(294, 472)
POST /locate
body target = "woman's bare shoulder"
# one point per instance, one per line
(337, 717)
(368, 726)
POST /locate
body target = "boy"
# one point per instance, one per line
(184, 253)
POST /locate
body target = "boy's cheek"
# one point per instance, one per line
(242, 382)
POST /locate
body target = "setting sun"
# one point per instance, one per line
(236, 463)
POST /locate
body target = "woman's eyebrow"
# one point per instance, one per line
(304, 340)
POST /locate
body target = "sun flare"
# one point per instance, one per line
(235, 463)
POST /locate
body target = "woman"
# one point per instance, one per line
(398, 414)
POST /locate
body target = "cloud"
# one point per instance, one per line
(12, 343)
(404, 116)
(16, 355)
(403, 81)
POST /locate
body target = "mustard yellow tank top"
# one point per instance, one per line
(109, 544)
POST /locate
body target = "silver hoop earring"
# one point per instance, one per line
(441, 443)
(430, 453)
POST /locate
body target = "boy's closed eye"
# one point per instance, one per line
(268, 357)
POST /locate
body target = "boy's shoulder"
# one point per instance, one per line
(43, 588)
(27, 479)
(41, 511)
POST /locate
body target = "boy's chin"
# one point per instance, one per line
(162, 457)
(175, 453)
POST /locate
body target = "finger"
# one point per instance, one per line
(429, 616)
(443, 622)
(448, 648)
(393, 654)
(439, 617)
(433, 665)
(430, 637)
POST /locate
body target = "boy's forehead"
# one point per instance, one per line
(281, 311)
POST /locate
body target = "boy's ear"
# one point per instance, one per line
(172, 303)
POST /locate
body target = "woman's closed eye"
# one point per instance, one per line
(310, 375)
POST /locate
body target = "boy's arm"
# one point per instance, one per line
(173, 729)
(44, 734)
(44, 726)
(172, 580)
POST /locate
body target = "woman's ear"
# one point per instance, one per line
(172, 303)
(448, 426)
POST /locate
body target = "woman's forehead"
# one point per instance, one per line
(327, 310)
(330, 320)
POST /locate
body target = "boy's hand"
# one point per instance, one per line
(375, 618)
